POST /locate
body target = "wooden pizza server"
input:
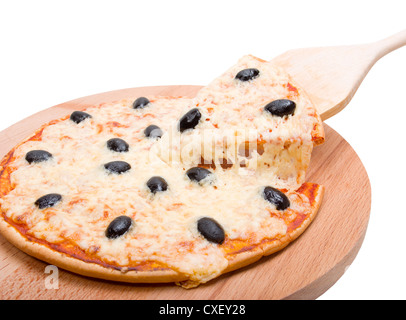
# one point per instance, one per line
(303, 270)
(332, 75)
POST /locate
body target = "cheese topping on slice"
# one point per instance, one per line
(235, 129)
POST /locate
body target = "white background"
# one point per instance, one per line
(55, 51)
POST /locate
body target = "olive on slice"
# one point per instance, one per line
(117, 145)
(281, 107)
(140, 103)
(118, 227)
(117, 167)
(79, 116)
(247, 74)
(37, 156)
(277, 197)
(153, 132)
(197, 173)
(157, 184)
(211, 230)
(189, 120)
(47, 201)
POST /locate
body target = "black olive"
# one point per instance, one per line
(247, 74)
(190, 119)
(278, 198)
(79, 116)
(117, 167)
(49, 200)
(153, 131)
(140, 103)
(37, 156)
(118, 227)
(117, 145)
(157, 184)
(211, 230)
(281, 107)
(197, 174)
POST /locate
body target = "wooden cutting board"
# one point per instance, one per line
(303, 270)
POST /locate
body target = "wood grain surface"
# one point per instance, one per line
(305, 269)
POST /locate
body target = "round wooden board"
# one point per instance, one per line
(303, 270)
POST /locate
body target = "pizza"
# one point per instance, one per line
(168, 189)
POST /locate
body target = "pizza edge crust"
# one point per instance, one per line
(318, 134)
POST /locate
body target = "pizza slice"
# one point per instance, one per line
(252, 117)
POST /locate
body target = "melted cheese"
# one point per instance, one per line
(165, 223)
(234, 120)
